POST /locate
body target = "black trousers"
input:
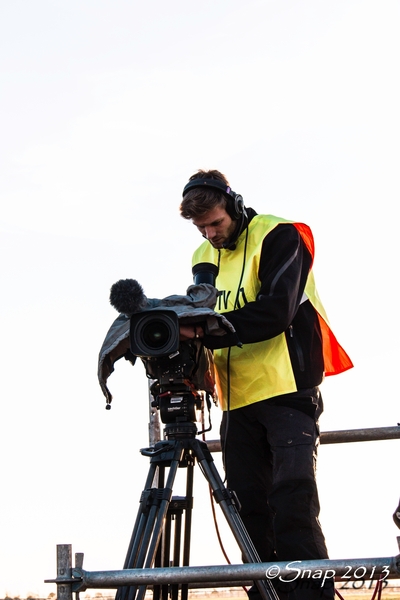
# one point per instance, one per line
(270, 460)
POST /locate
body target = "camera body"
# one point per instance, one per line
(179, 369)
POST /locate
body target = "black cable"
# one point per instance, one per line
(228, 358)
(236, 304)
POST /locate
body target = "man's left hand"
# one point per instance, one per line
(190, 332)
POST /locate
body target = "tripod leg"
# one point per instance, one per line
(165, 495)
(226, 499)
(165, 499)
(140, 520)
(188, 520)
(149, 523)
(177, 552)
(163, 556)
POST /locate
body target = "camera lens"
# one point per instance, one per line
(156, 334)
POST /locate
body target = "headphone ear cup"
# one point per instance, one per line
(235, 207)
(239, 205)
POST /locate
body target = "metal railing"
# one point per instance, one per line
(342, 436)
(75, 579)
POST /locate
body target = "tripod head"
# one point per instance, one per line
(174, 389)
(177, 408)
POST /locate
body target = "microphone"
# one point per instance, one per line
(127, 296)
(205, 273)
(229, 246)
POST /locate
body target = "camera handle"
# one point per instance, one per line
(158, 508)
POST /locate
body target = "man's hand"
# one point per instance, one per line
(190, 332)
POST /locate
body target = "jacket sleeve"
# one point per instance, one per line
(284, 266)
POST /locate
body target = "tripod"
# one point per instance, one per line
(151, 537)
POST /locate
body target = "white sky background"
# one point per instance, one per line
(107, 108)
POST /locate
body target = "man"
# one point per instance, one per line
(268, 383)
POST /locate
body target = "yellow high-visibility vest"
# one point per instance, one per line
(263, 369)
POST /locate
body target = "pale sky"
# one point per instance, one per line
(107, 108)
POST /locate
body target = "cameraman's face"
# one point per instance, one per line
(216, 226)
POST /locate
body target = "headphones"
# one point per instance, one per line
(235, 205)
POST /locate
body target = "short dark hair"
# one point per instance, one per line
(197, 201)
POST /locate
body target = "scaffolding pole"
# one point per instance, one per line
(372, 434)
(77, 579)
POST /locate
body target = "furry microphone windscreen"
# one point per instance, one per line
(127, 296)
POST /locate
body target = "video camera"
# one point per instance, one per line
(182, 373)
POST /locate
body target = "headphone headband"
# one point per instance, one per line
(235, 209)
(214, 183)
